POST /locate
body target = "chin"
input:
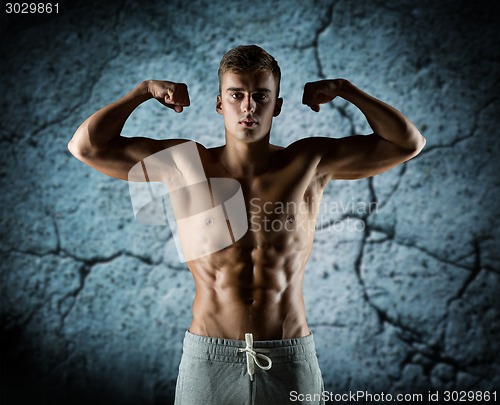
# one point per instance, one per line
(247, 135)
(251, 136)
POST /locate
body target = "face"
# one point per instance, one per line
(248, 103)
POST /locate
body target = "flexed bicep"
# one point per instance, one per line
(357, 157)
(98, 141)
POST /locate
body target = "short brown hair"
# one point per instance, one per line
(249, 58)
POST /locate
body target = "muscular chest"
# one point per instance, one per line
(282, 210)
(282, 207)
(277, 208)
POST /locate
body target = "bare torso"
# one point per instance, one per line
(255, 284)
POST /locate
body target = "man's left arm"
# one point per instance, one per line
(394, 140)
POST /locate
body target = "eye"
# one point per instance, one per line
(236, 96)
(260, 97)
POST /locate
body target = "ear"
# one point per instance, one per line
(218, 105)
(277, 107)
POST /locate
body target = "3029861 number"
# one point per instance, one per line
(31, 8)
(470, 396)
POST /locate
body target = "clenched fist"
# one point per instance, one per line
(321, 92)
(170, 94)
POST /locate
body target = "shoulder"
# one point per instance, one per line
(305, 156)
(327, 155)
(310, 149)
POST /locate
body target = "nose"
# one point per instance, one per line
(248, 104)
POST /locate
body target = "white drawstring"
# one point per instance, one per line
(253, 355)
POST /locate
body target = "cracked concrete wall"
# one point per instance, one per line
(401, 287)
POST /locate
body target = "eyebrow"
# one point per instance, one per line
(259, 90)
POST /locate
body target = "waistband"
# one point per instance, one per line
(219, 349)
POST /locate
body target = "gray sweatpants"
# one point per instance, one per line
(220, 371)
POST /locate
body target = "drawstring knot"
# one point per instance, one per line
(253, 356)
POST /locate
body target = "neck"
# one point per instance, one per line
(246, 158)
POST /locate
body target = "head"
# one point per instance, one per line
(249, 59)
(249, 83)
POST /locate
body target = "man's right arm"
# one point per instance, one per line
(98, 141)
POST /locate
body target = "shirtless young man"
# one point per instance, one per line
(252, 289)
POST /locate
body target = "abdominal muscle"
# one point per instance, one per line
(238, 293)
(254, 285)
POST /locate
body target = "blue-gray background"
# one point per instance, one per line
(401, 298)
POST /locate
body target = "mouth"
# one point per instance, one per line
(248, 123)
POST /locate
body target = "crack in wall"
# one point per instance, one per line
(391, 236)
(322, 28)
(412, 337)
(341, 109)
(89, 261)
(394, 188)
(83, 272)
(472, 132)
(474, 272)
(433, 352)
(327, 324)
(382, 315)
(87, 92)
